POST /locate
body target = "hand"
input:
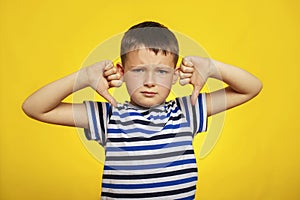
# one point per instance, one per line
(102, 76)
(194, 70)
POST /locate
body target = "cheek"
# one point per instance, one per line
(132, 83)
(165, 83)
(164, 91)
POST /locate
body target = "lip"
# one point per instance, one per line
(149, 93)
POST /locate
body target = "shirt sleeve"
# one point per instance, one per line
(98, 113)
(196, 115)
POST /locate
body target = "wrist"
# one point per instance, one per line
(81, 79)
(214, 69)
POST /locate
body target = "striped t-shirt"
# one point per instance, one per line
(149, 152)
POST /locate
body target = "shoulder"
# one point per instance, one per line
(186, 100)
(97, 104)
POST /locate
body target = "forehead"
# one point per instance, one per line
(146, 56)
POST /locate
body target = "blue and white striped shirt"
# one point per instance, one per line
(149, 152)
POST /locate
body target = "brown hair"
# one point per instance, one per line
(151, 35)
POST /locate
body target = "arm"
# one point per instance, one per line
(46, 103)
(242, 86)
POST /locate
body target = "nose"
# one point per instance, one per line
(149, 80)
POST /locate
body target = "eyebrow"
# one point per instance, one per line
(147, 65)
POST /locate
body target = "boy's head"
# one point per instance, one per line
(149, 54)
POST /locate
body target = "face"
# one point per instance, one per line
(148, 77)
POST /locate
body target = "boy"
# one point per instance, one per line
(148, 142)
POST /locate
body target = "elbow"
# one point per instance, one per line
(253, 90)
(28, 109)
(257, 87)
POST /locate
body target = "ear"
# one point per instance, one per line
(175, 76)
(120, 70)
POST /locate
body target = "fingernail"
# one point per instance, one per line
(119, 83)
(185, 62)
(183, 82)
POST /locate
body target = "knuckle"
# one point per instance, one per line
(183, 68)
(181, 74)
(110, 77)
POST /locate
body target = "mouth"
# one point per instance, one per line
(149, 93)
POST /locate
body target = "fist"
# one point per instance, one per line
(102, 76)
(194, 70)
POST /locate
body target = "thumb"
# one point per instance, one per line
(105, 94)
(195, 94)
(187, 62)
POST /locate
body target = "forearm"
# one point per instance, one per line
(242, 86)
(237, 79)
(51, 95)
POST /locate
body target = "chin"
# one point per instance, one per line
(147, 104)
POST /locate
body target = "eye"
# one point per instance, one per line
(161, 71)
(138, 70)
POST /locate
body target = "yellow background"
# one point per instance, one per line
(257, 155)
